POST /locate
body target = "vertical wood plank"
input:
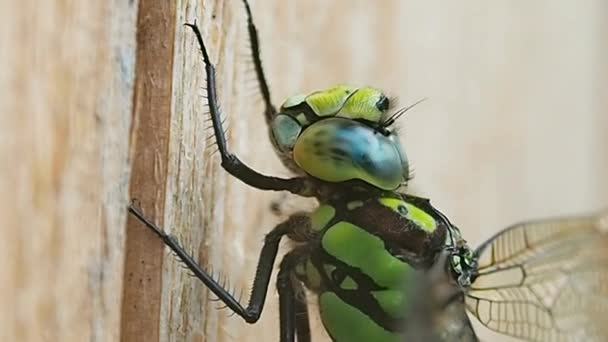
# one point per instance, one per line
(152, 113)
(65, 102)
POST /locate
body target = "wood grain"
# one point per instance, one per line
(152, 114)
(65, 102)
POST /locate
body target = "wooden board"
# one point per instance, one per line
(66, 82)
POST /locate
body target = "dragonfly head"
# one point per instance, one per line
(340, 134)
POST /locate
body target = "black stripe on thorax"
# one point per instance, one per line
(360, 298)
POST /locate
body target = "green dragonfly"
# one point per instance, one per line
(386, 265)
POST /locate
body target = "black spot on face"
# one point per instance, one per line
(383, 104)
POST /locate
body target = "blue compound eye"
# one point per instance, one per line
(337, 150)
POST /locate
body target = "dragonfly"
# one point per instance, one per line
(386, 265)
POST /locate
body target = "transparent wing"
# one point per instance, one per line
(545, 280)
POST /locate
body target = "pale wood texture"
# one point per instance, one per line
(514, 127)
(66, 81)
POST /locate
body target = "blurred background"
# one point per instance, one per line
(101, 102)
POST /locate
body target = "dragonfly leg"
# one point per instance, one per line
(251, 313)
(257, 63)
(230, 162)
(292, 301)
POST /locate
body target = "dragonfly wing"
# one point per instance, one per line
(545, 280)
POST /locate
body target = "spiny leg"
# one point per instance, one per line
(268, 254)
(293, 310)
(257, 62)
(230, 162)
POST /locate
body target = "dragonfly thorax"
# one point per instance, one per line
(360, 258)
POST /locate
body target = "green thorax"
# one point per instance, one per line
(365, 251)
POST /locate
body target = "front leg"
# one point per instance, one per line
(231, 163)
